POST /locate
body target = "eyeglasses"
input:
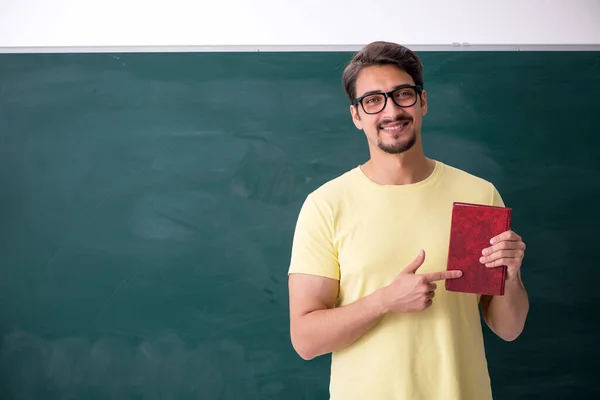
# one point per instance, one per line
(403, 96)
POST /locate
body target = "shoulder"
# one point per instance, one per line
(482, 189)
(322, 204)
(336, 189)
(458, 175)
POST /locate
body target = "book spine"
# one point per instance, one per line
(506, 227)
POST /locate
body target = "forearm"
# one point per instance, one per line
(324, 331)
(507, 314)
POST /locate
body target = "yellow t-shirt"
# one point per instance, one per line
(364, 234)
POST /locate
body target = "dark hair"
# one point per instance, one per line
(381, 53)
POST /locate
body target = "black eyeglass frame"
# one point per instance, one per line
(418, 89)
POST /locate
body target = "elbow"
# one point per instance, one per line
(507, 330)
(303, 350)
(305, 355)
(510, 337)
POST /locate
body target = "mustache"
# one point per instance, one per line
(399, 118)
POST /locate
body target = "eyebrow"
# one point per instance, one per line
(403, 85)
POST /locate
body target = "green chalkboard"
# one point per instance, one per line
(148, 200)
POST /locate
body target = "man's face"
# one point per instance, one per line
(395, 129)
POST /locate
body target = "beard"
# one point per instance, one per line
(396, 147)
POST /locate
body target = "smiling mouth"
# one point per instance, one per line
(395, 126)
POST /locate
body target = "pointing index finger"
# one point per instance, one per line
(438, 276)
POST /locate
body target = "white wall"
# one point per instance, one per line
(305, 23)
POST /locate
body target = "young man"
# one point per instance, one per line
(370, 250)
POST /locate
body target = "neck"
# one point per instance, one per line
(398, 169)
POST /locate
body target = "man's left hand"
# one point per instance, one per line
(507, 249)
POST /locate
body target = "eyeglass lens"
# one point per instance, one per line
(403, 97)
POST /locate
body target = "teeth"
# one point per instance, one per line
(396, 127)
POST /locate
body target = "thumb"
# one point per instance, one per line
(417, 262)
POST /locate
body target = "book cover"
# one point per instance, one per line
(472, 227)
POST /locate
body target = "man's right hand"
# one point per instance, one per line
(411, 292)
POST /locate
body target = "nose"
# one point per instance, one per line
(391, 109)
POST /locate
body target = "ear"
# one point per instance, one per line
(356, 117)
(424, 102)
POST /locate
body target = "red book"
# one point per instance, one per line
(473, 225)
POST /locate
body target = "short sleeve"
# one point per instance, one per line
(313, 251)
(496, 198)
